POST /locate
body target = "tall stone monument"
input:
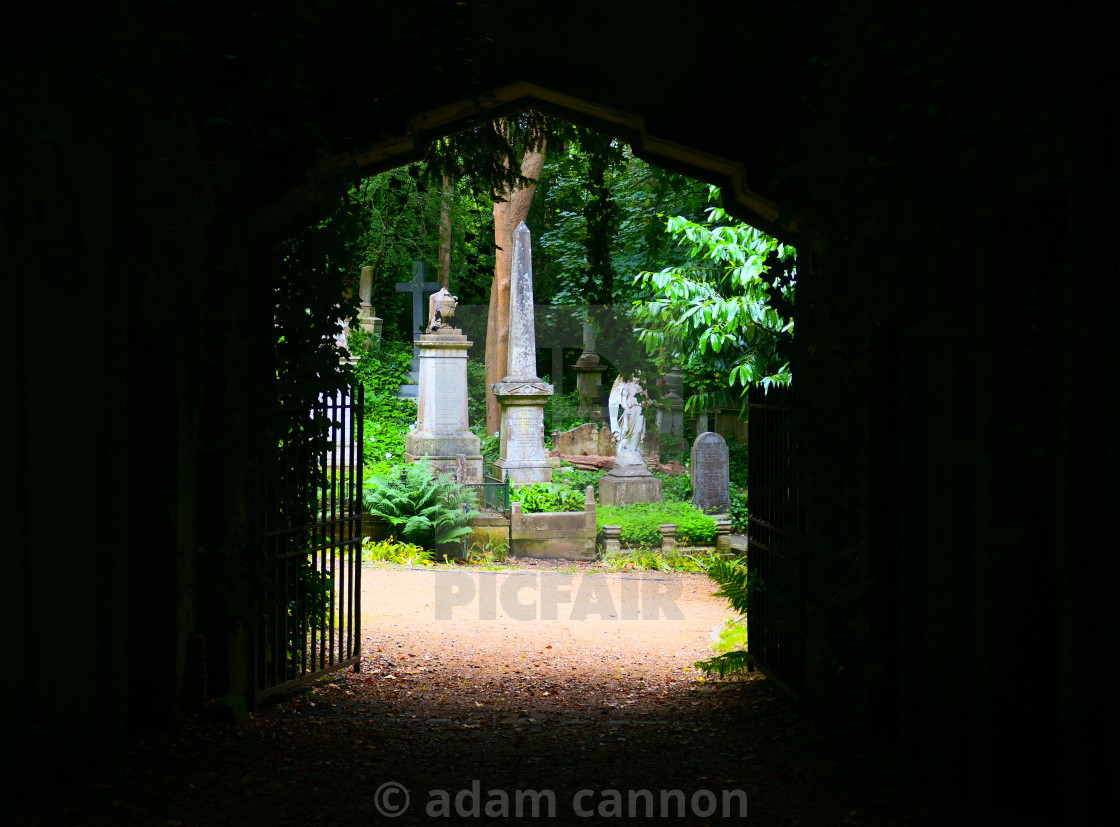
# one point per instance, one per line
(629, 481)
(521, 393)
(711, 484)
(670, 416)
(589, 372)
(442, 431)
(367, 314)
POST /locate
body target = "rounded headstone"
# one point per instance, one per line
(711, 484)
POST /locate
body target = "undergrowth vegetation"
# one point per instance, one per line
(656, 560)
(425, 507)
(737, 587)
(639, 523)
(492, 556)
(382, 368)
(539, 497)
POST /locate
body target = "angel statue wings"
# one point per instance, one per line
(627, 420)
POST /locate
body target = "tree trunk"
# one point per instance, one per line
(445, 235)
(507, 215)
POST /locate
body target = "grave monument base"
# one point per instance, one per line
(629, 484)
(442, 432)
(523, 459)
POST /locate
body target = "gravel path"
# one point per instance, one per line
(477, 687)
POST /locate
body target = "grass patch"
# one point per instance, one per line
(639, 523)
(655, 560)
(733, 638)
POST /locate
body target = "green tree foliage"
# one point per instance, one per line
(382, 369)
(595, 226)
(725, 314)
(310, 268)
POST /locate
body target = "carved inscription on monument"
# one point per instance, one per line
(445, 410)
(710, 482)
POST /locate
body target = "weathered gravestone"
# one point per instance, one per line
(711, 485)
(442, 433)
(367, 315)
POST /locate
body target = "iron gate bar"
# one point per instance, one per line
(313, 626)
(775, 620)
(493, 484)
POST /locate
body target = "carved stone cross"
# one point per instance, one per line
(417, 287)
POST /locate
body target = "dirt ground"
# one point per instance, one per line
(481, 693)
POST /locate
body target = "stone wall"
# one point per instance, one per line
(492, 529)
(555, 535)
(593, 439)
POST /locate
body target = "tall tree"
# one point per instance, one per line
(445, 233)
(511, 207)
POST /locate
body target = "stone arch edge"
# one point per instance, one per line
(730, 175)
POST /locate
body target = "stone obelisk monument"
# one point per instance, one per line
(521, 393)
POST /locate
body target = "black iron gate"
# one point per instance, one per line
(309, 621)
(492, 497)
(776, 616)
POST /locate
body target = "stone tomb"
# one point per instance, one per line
(442, 431)
(711, 485)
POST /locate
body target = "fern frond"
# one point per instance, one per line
(735, 585)
(417, 523)
(726, 664)
(448, 534)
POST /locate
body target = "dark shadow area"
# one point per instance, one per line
(325, 753)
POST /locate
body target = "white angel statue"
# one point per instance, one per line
(627, 419)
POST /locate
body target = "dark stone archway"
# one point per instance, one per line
(954, 361)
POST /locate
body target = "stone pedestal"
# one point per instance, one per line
(522, 458)
(589, 375)
(723, 533)
(611, 544)
(668, 537)
(628, 484)
(670, 416)
(442, 432)
(367, 316)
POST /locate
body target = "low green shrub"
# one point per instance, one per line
(489, 445)
(639, 523)
(579, 480)
(738, 587)
(490, 553)
(737, 510)
(423, 506)
(394, 551)
(675, 487)
(382, 369)
(546, 496)
(655, 560)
